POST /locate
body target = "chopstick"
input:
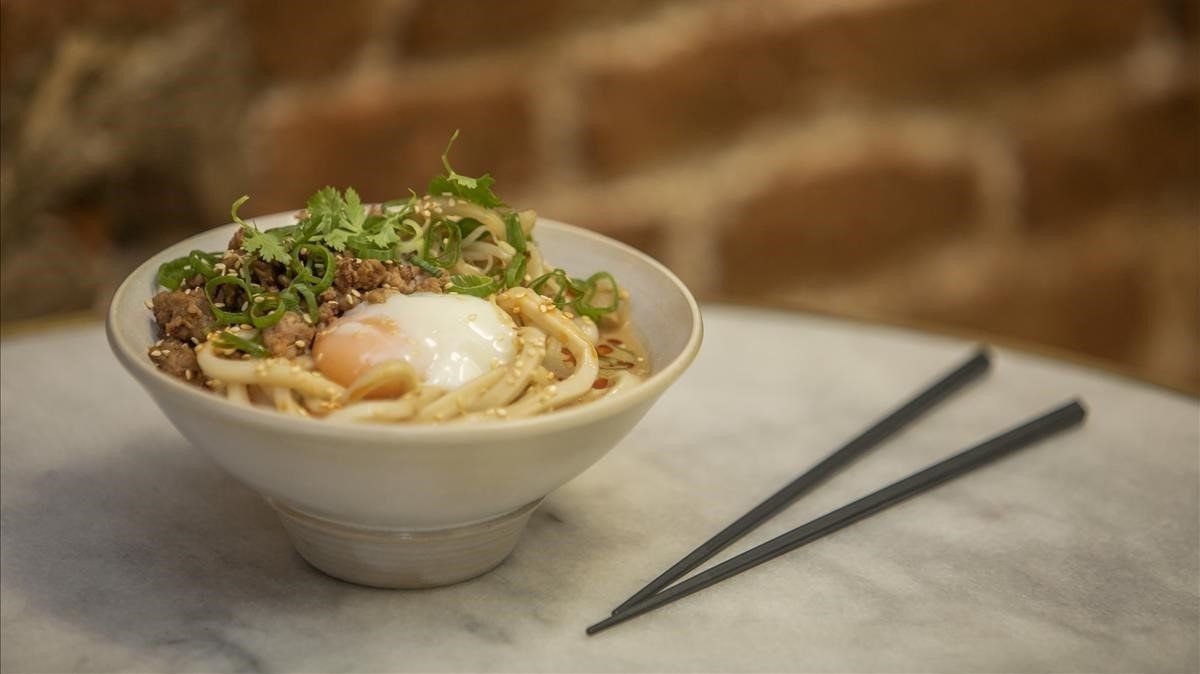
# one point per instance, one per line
(964, 462)
(976, 365)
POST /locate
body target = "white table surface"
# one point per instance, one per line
(125, 549)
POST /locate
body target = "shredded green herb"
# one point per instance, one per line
(476, 190)
(298, 262)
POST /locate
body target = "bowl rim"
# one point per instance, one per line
(132, 359)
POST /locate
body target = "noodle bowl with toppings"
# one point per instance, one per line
(435, 308)
(437, 374)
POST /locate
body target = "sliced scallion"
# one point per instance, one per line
(306, 268)
(228, 340)
(584, 306)
(514, 233)
(227, 317)
(267, 309)
(472, 284)
(427, 266)
(447, 239)
(514, 273)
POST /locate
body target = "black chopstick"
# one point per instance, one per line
(986, 452)
(976, 365)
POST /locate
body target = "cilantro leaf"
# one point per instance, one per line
(384, 234)
(336, 239)
(267, 245)
(355, 214)
(335, 218)
(476, 190)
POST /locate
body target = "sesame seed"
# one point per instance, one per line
(149, 305)
(301, 343)
(156, 353)
(501, 412)
(187, 374)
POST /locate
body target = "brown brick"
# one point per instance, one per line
(1184, 16)
(933, 45)
(440, 28)
(813, 229)
(30, 27)
(1092, 299)
(305, 38)
(739, 72)
(635, 115)
(383, 138)
(1078, 164)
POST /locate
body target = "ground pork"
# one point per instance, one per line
(290, 337)
(355, 274)
(183, 314)
(408, 279)
(177, 359)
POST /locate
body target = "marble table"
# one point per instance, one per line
(126, 550)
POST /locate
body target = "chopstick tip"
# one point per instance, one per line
(1078, 403)
(603, 625)
(983, 352)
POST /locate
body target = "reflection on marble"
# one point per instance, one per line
(123, 549)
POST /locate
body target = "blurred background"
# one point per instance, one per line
(1028, 169)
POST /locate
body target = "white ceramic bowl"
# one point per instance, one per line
(415, 505)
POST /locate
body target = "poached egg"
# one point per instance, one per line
(447, 339)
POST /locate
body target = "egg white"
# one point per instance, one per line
(447, 339)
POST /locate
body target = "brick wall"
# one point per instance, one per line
(1025, 168)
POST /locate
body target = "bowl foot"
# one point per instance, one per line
(404, 559)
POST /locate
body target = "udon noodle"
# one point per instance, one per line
(269, 321)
